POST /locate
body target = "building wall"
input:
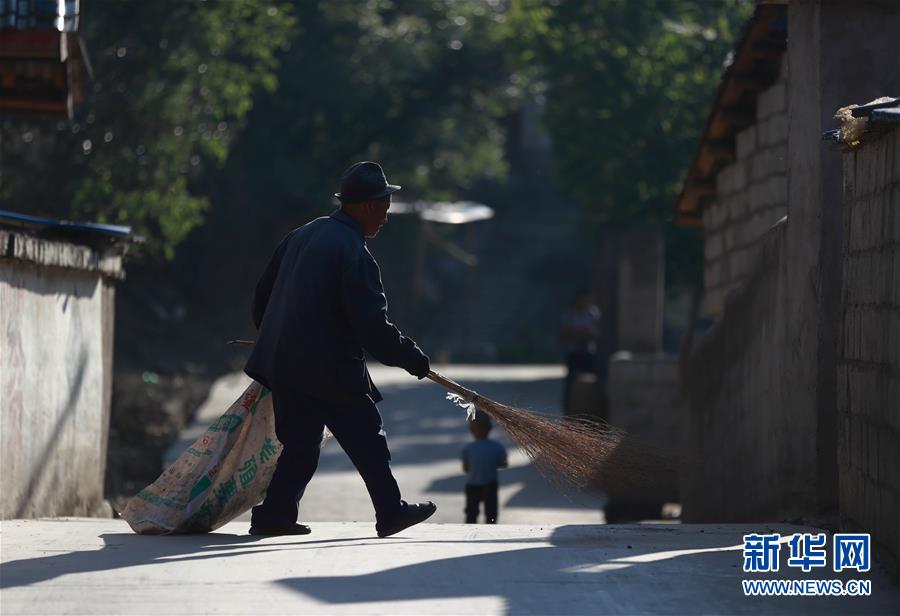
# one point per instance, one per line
(761, 388)
(868, 366)
(643, 393)
(55, 377)
(751, 196)
(746, 456)
(640, 290)
(643, 401)
(741, 461)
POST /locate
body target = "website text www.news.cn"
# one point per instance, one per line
(808, 553)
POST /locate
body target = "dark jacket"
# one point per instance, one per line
(318, 304)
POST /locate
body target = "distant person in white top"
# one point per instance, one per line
(480, 460)
(579, 333)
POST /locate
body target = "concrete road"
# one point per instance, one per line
(95, 566)
(549, 555)
(426, 434)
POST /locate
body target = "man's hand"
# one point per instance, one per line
(422, 368)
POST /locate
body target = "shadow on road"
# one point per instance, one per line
(121, 550)
(584, 569)
(628, 569)
(551, 579)
(129, 550)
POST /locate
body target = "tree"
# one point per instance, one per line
(419, 86)
(628, 86)
(174, 82)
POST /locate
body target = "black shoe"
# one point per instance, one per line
(410, 515)
(274, 531)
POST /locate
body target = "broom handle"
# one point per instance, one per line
(467, 394)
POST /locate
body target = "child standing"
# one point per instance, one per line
(481, 459)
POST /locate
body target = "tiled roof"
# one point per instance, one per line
(755, 66)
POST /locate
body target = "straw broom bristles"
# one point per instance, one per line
(585, 453)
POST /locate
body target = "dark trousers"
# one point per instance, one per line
(355, 422)
(475, 495)
(576, 362)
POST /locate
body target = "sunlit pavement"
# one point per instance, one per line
(94, 566)
(549, 556)
(426, 434)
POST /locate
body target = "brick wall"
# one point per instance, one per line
(868, 368)
(751, 196)
(738, 462)
(792, 400)
(746, 457)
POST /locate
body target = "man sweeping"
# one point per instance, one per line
(318, 306)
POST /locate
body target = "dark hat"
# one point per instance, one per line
(364, 181)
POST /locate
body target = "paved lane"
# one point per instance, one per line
(426, 434)
(81, 566)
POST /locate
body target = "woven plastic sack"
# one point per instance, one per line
(222, 475)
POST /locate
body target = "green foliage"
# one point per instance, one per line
(628, 86)
(174, 82)
(245, 111)
(419, 86)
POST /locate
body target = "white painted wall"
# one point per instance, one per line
(53, 427)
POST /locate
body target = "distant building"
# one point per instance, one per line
(42, 57)
(57, 296)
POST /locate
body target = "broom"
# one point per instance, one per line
(585, 453)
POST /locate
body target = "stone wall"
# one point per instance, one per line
(751, 196)
(868, 366)
(56, 313)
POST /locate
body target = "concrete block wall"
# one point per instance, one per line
(641, 290)
(751, 196)
(643, 400)
(868, 365)
(791, 399)
(643, 391)
(744, 458)
(56, 318)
